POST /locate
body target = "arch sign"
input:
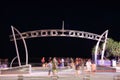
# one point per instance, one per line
(57, 32)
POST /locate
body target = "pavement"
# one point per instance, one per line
(64, 74)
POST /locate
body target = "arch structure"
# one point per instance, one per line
(54, 33)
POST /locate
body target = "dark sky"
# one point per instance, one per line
(89, 16)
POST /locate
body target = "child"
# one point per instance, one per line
(49, 67)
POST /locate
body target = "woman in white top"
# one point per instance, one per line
(88, 65)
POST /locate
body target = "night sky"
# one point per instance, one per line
(89, 16)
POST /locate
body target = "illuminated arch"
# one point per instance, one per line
(57, 32)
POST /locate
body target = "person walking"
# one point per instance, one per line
(43, 61)
(77, 68)
(49, 67)
(88, 65)
(93, 67)
(54, 66)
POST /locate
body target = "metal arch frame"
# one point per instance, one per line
(57, 32)
(16, 46)
(104, 44)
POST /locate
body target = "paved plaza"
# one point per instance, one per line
(66, 74)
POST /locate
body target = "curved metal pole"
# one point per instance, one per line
(12, 61)
(62, 25)
(16, 46)
(104, 45)
(96, 49)
(26, 50)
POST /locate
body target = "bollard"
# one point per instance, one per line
(54, 77)
(117, 77)
(20, 77)
(87, 77)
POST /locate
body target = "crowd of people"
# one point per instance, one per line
(3, 63)
(80, 65)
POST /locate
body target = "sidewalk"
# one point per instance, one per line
(117, 69)
(68, 74)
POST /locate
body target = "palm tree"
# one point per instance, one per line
(109, 46)
(93, 50)
(112, 48)
(116, 49)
